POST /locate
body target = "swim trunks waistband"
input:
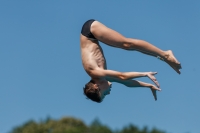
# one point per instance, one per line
(86, 29)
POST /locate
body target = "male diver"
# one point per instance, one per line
(94, 61)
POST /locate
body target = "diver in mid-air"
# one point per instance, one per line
(94, 62)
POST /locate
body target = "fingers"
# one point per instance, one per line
(154, 73)
(154, 94)
(155, 88)
(157, 84)
(154, 80)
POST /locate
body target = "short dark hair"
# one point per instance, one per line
(91, 92)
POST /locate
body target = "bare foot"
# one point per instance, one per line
(172, 61)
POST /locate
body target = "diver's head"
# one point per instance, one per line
(97, 90)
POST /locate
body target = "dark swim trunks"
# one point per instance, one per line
(86, 29)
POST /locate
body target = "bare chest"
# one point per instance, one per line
(99, 58)
(93, 57)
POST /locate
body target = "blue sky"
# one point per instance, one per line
(41, 72)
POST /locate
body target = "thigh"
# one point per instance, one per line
(107, 35)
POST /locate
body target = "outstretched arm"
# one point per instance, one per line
(135, 83)
(123, 76)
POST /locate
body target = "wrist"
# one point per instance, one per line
(145, 74)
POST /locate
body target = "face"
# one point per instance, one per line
(105, 88)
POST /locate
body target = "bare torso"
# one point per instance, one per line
(92, 55)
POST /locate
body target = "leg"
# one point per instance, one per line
(113, 38)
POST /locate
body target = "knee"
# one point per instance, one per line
(128, 44)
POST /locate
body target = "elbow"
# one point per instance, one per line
(127, 45)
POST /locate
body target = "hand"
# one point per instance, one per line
(153, 90)
(151, 76)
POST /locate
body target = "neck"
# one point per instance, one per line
(97, 81)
